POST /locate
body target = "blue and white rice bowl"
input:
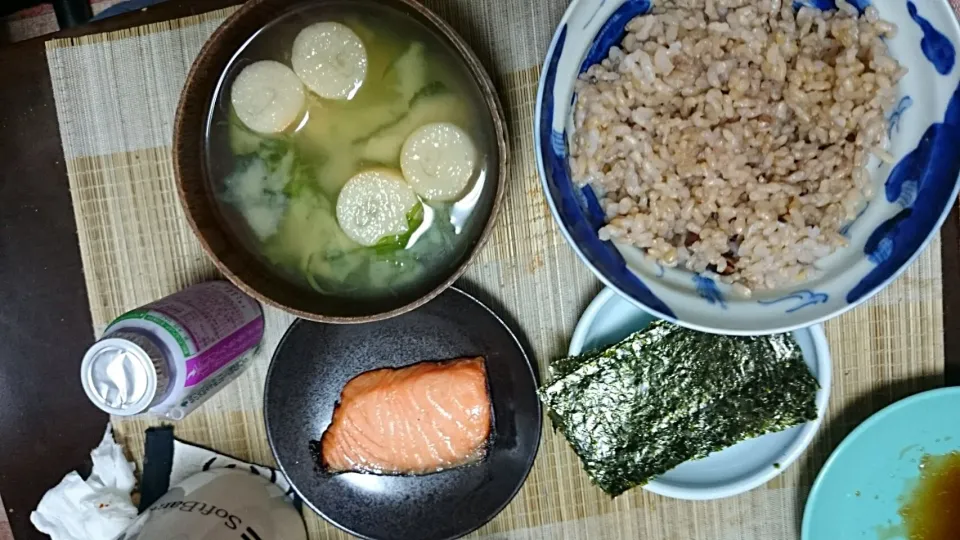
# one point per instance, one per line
(913, 195)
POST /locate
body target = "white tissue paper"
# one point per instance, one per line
(98, 508)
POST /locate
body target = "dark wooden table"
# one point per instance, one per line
(47, 426)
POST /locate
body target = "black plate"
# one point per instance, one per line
(313, 363)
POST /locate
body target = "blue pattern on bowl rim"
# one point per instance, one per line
(884, 239)
(804, 298)
(830, 4)
(935, 46)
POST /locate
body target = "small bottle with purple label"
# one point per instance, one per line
(170, 356)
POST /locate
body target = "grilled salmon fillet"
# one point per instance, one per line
(418, 419)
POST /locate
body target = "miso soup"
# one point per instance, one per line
(349, 147)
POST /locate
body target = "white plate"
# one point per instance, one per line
(742, 467)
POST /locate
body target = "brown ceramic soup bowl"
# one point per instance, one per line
(198, 182)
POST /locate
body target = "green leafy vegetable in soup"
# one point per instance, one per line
(351, 171)
(258, 185)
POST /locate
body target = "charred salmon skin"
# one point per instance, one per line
(418, 419)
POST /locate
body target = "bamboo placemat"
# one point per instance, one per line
(116, 94)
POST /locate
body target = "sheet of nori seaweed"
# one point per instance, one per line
(666, 395)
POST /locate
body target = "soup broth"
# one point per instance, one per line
(378, 103)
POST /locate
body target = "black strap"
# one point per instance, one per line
(72, 13)
(157, 463)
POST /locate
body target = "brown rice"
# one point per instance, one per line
(731, 136)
